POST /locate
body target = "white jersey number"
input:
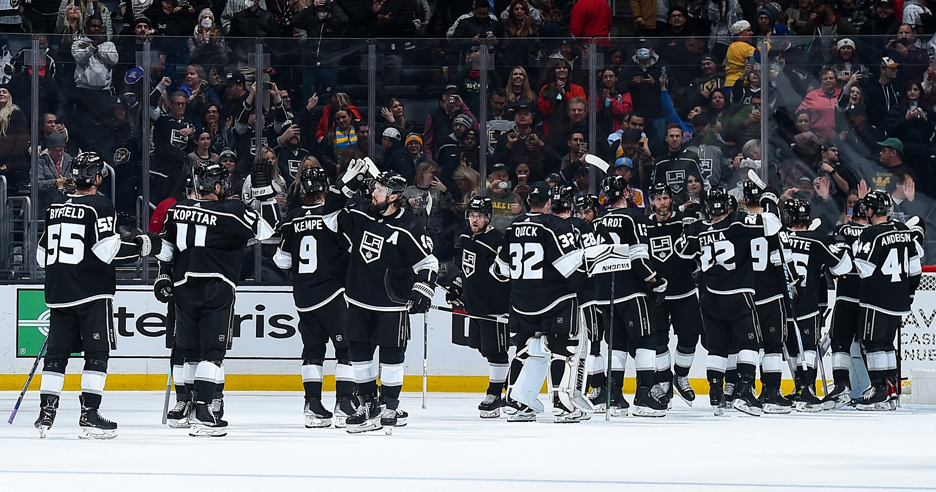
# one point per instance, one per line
(182, 239)
(894, 266)
(525, 261)
(759, 254)
(308, 255)
(66, 244)
(719, 253)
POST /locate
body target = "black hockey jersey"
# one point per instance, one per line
(848, 286)
(540, 254)
(486, 294)
(585, 285)
(723, 249)
(673, 169)
(387, 252)
(886, 256)
(79, 250)
(206, 238)
(812, 254)
(767, 261)
(317, 257)
(677, 271)
(619, 226)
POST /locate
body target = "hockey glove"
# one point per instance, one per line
(351, 179)
(261, 180)
(453, 295)
(767, 197)
(163, 288)
(420, 298)
(656, 291)
(148, 244)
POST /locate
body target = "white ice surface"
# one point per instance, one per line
(447, 448)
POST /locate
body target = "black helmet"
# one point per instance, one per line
(732, 203)
(86, 167)
(796, 211)
(717, 202)
(313, 179)
(586, 202)
(561, 197)
(480, 204)
(613, 187)
(395, 183)
(880, 203)
(752, 192)
(660, 189)
(206, 174)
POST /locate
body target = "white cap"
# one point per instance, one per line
(739, 26)
(391, 132)
(845, 42)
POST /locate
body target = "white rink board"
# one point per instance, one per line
(448, 448)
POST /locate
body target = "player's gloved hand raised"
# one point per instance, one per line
(261, 180)
(148, 244)
(351, 179)
(162, 289)
(656, 290)
(454, 293)
(420, 298)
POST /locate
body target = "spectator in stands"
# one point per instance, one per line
(644, 12)
(172, 133)
(468, 181)
(232, 7)
(41, 15)
(206, 47)
(846, 62)
(855, 11)
(521, 23)
(524, 139)
(252, 22)
(556, 92)
(878, 28)
(414, 147)
(49, 124)
(482, 27)
(336, 101)
(507, 204)
(800, 18)
(428, 197)
(14, 143)
(51, 99)
(722, 14)
(498, 122)
(221, 134)
(202, 152)
(827, 26)
(439, 121)
(290, 154)
(707, 146)
(676, 27)
(640, 77)
(451, 144)
(718, 109)
(396, 158)
(860, 137)
(830, 166)
(65, 23)
(54, 171)
(199, 93)
(700, 88)
(590, 19)
(393, 114)
(640, 158)
(914, 14)
(518, 88)
(914, 121)
(882, 94)
(822, 102)
(171, 18)
(324, 23)
(611, 104)
(341, 137)
(468, 80)
(740, 52)
(909, 52)
(578, 149)
(279, 186)
(94, 57)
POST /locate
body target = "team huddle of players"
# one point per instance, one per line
(565, 275)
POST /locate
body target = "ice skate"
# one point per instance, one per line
(717, 399)
(205, 423)
(523, 414)
(93, 426)
(48, 405)
(774, 403)
(388, 420)
(729, 393)
(746, 400)
(177, 417)
(874, 399)
(490, 407)
(569, 417)
(401, 416)
(892, 395)
(511, 406)
(837, 398)
(316, 417)
(808, 401)
(684, 389)
(344, 408)
(647, 402)
(619, 406)
(365, 419)
(599, 399)
(217, 406)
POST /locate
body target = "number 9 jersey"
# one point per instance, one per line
(317, 257)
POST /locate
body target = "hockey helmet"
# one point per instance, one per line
(313, 179)
(660, 189)
(207, 174)
(717, 202)
(796, 211)
(561, 198)
(586, 202)
(732, 203)
(481, 205)
(752, 192)
(86, 167)
(879, 203)
(395, 183)
(613, 187)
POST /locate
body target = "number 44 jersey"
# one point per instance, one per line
(888, 256)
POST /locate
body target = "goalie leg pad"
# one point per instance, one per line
(535, 368)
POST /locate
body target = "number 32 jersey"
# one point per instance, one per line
(79, 250)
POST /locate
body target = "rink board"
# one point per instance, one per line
(266, 345)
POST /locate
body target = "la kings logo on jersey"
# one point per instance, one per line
(293, 166)
(675, 179)
(468, 262)
(371, 246)
(662, 247)
(705, 165)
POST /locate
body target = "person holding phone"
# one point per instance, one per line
(741, 51)
(428, 197)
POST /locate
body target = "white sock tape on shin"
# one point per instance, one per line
(772, 363)
(594, 364)
(716, 363)
(311, 373)
(891, 360)
(732, 362)
(188, 372)
(178, 375)
(208, 371)
(841, 360)
(645, 359)
(391, 374)
(684, 360)
(749, 357)
(810, 356)
(52, 383)
(618, 360)
(497, 373)
(93, 382)
(877, 361)
(344, 372)
(662, 362)
(364, 372)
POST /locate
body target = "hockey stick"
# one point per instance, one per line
(610, 329)
(497, 319)
(32, 373)
(425, 375)
(168, 387)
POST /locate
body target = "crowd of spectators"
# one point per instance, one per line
(849, 107)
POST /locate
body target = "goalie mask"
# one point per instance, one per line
(796, 211)
(878, 203)
(313, 179)
(86, 168)
(717, 202)
(561, 197)
(207, 174)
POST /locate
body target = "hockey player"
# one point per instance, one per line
(484, 294)
(681, 303)
(540, 254)
(391, 253)
(846, 313)
(204, 241)
(771, 301)
(318, 260)
(586, 209)
(79, 251)
(887, 256)
(812, 254)
(722, 245)
(632, 326)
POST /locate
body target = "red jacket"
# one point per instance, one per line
(823, 111)
(591, 19)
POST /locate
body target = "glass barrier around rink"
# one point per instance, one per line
(487, 117)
